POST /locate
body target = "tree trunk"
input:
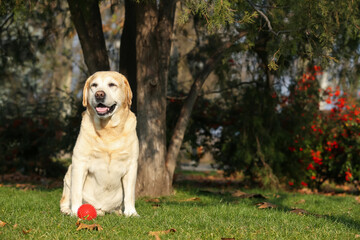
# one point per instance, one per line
(153, 43)
(128, 49)
(183, 120)
(86, 17)
(145, 58)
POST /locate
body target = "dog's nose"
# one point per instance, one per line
(100, 95)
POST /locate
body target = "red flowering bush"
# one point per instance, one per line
(272, 138)
(327, 145)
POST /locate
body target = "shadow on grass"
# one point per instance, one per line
(339, 218)
(224, 195)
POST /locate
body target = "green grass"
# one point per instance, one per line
(214, 216)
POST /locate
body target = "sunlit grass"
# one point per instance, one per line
(194, 214)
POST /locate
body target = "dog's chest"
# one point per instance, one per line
(108, 164)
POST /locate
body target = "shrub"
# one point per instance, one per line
(327, 148)
(32, 135)
(268, 136)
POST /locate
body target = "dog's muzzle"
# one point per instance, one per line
(103, 110)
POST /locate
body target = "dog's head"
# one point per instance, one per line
(106, 92)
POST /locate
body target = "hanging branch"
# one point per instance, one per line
(264, 16)
(266, 19)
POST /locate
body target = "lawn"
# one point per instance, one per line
(194, 213)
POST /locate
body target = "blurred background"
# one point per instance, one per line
(280, 108)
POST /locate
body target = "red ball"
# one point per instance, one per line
(86, 212)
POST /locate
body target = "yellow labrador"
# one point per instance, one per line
(104, 162)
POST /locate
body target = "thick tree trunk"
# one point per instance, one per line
(154, 29)
(128, 49)
(86, 17)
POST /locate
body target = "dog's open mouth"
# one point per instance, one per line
(103, 110)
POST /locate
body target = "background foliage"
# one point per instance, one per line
(261, 117)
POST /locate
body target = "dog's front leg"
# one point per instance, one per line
(129, 181)
(78, 175)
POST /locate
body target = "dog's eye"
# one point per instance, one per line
(112, 85)
(94, 85)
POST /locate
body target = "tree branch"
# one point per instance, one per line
(266, 19)
(179, 130)
(8, 17)
(264, 16)
(230, 88)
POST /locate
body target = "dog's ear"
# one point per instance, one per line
(128, 92)
(85, 91)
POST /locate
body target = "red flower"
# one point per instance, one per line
(333, 144)
(337, 93)
(316, 157)
(348, 176)
(310, 167)
(304, 184)
(317, 68)
(291, 183)
(313, 177)
(341, 102)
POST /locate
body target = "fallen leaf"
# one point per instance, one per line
(357, 236)
(158, 233)
(264, 205)
(26, 231)
(299, 211)
(357, 199)
(25, 186)
(193, 199)
(302, 212)
(153, 200)
(341, 194)
(94, 226)
(15, 225)
(238, 193)
(305, 191)
(277, 196)
(155, 206)
(2, 224)
(301, 201)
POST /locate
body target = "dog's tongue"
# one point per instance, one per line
(102, 110)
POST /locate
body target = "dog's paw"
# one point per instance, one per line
(131, 213)
(100, 212)
(66, 211)
(74, 210)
